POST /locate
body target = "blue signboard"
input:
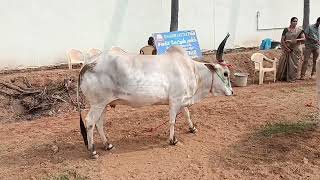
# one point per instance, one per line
(187, 39)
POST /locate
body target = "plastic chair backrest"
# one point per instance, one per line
(94, 52)
(75, 56)
(258, 59)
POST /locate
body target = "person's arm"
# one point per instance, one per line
(301, 37)
(306, 32)
(283, 40)
(310, 38)
(284, 44)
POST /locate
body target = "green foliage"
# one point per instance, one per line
(287, 128)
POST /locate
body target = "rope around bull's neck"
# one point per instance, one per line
(220, 79)
(211, 83)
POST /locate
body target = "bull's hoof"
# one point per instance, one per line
(173, 141)
(93, 153)
(94, 156)
(193, 130)
(108, 147)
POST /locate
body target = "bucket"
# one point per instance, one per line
(240, 79)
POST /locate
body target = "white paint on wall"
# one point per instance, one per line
(38, 32)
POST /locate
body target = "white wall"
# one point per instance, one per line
(38, 32)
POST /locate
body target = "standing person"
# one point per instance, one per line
(318, 86)
(150, 48)
(291, 44)
(312, 47)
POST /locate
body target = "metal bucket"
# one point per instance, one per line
(240, 79)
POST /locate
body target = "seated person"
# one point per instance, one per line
(150, 48)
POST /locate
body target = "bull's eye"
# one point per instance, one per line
(225, 74)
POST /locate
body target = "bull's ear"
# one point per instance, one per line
(211, 67)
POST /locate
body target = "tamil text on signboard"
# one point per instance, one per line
(187, 39)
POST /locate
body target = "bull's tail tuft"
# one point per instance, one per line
(83, 131)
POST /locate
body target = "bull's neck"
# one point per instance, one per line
(204, 79)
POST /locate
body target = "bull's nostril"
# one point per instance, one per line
(232, 92)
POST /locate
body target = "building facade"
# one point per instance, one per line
(38, 32)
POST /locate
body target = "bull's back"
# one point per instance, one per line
(138, 80)
(129, 79)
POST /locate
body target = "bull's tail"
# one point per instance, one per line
(83, 129)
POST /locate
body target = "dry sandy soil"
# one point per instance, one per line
(229, 144)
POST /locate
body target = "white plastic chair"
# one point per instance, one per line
(258, 59)
(94, 52)
(74, 57)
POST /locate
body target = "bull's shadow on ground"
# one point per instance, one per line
(69, 146)
(138, 143)
(275, 143)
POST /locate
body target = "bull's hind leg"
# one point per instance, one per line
(100, 128)
(186, 112)
(92, 117)
(174, 109)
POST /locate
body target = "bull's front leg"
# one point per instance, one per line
(174, 109)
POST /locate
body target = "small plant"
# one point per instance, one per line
(298, 90)
(287, 128)
(68, 175)
(60, 177)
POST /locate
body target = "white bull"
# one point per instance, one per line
(173, 79)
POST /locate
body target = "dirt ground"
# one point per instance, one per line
(228, 144)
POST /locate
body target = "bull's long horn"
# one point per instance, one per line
(220, 49)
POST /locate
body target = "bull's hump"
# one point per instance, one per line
(177, 50)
